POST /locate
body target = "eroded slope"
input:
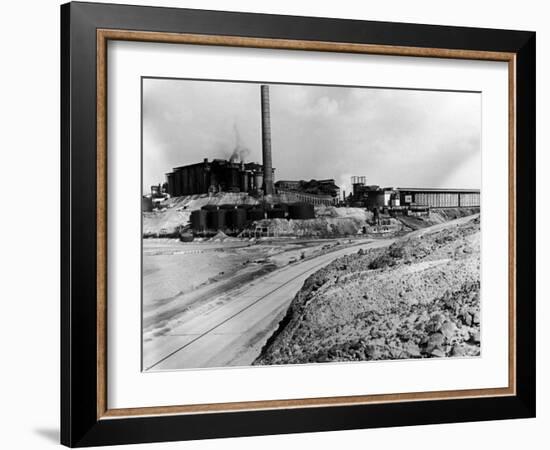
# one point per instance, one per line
(418, 298)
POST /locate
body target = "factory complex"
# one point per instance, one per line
(288, 199)
(407, 200)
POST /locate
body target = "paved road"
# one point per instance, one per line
(233, 333)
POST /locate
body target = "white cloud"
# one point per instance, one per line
(394, 137)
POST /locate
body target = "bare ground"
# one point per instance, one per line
(230, 329)
(191, 278)
(419, 298)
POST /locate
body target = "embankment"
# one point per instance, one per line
(419, 298)
(329, 222)
(439, 215)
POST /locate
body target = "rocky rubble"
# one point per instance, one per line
(418, 298)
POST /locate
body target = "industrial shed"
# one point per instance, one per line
(218, 175)
(440, 198)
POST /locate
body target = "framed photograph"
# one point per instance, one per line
(277, 224)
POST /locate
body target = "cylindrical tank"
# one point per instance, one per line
(235, 179)
(186, 236)
(215, 219)
(146, 204)
(283, 206)
(244, 181)
(227, 209)
(276, 213)
(255, 214)
(301, 211)
(251, 182)
(258, 180)
(198, 220)
(236, 218)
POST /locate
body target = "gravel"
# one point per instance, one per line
(419, 298)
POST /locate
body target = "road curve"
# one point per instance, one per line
(233, 333)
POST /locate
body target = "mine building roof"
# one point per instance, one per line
(450, 190)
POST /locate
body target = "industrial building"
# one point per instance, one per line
(325, 187)
(289, 199)
(440, 198)
(219, 175)
(222, 175)
(372, 196)
(288, 185)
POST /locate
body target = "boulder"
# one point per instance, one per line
(436, 340)
(467, 319)
(448, 329)
(475, 337)
(412, 349)
(372, 352)
(437, 352)
(435, 322)
(458, 350)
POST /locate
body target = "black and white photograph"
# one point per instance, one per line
(301, 224)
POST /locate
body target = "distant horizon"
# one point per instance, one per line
(318, 132)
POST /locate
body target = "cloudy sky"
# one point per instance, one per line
(393, 137)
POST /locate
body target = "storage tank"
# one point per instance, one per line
(283, 206)
(255, 214)
(236, 218)
(301, 211)
(198, 220)
(215, 219)
(146, 204)
(186, 236)
(258, 180)
(276, 213)
(244, 181)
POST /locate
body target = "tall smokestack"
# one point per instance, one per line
(266, 141)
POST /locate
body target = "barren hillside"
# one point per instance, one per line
(418, 298)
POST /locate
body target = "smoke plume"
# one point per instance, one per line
(240, 151)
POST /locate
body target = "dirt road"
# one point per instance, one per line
(233, 332)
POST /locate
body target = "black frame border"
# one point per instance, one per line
(79, 424)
